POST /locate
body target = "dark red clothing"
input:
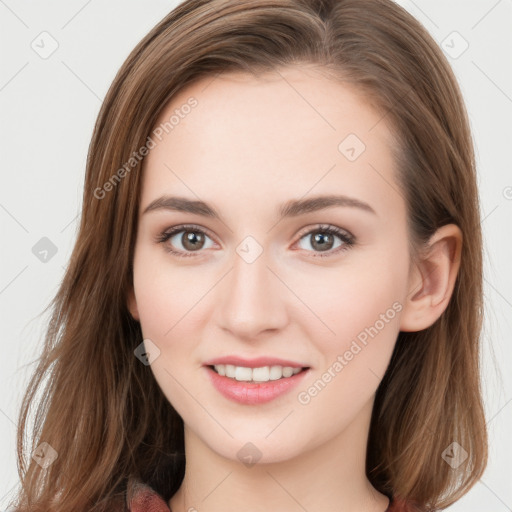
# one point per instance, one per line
(142, 498)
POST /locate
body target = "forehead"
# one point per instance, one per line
(281, 134)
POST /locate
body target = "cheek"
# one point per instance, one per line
(359, 306)
(156, 302)
(364, 317)
(164, 293)
(165, 300)
(347, 300)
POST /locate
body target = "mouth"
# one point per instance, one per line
(256, 375)
(254, 382)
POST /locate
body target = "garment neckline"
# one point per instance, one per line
(141, 497)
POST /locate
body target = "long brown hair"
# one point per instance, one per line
(102, 410)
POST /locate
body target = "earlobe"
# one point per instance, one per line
(132, 304)
(432, 282)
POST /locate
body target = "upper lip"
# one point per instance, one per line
(257, 362)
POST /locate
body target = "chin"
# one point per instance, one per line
(251, 446)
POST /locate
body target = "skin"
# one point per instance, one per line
(249, 146)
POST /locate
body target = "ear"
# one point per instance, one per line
(432, 279)
(131, 302)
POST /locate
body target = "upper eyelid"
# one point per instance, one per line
(190, 227)
(323, 226)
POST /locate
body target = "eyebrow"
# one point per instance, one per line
(292, 208)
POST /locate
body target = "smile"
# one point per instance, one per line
(254, 386)
(261, 374)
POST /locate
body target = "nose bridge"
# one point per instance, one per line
(252, 297)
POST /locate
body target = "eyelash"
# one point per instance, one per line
(347, 239)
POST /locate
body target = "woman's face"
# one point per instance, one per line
(255, 275)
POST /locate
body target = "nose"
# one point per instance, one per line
(252, 299)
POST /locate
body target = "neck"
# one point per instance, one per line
(329, 477)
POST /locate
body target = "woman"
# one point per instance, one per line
(277, 278)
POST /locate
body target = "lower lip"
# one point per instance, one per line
(250, 393)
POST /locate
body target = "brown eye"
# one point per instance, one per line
(324, 239)
(192, 240)
(184, 240)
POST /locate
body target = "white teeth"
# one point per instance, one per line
(230, 371)
(287, 371)
(242, 373)
(276, 372)
(262, 374)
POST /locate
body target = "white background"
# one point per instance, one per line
(48, 108)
